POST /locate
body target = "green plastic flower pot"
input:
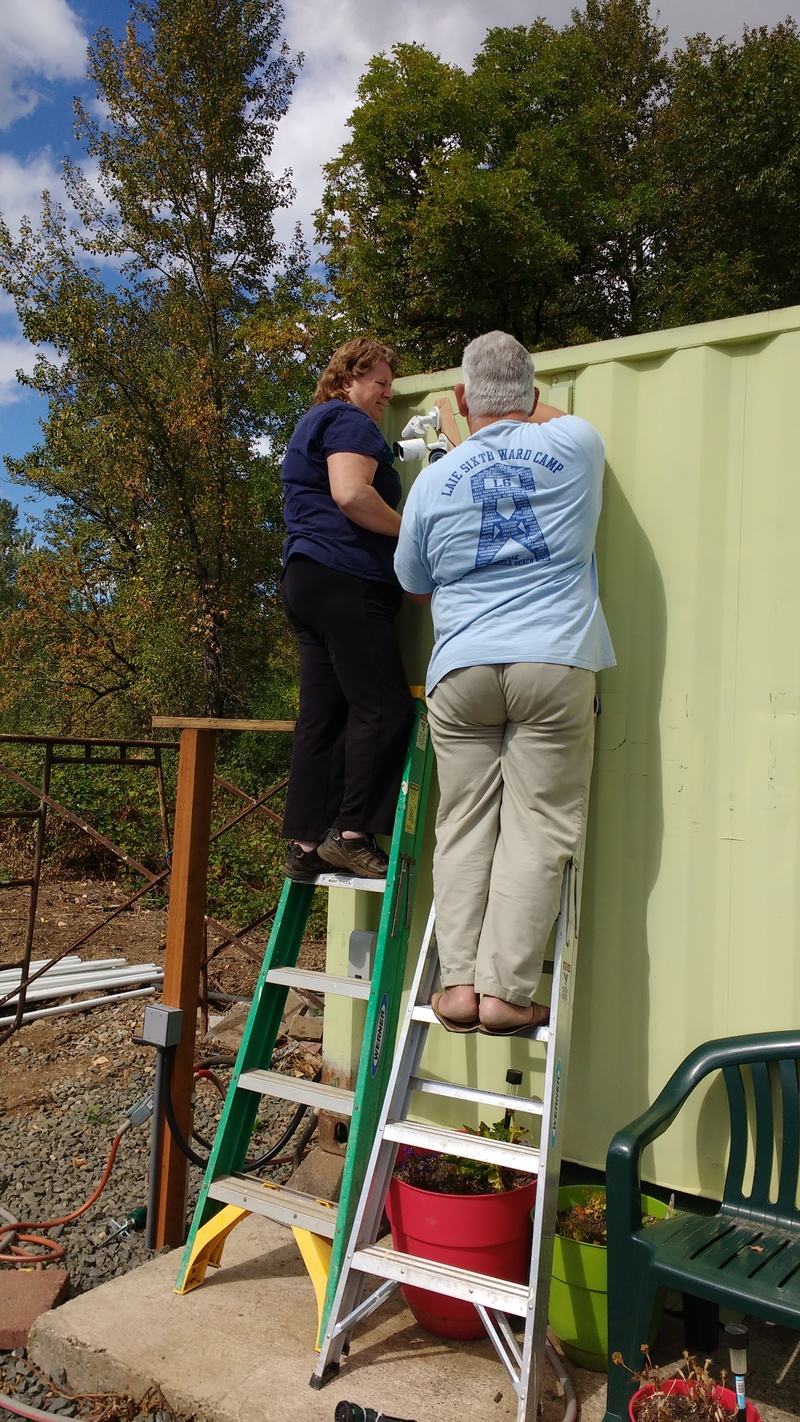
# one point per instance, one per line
(578, 1313)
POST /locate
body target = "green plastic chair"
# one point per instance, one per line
(746, 1256)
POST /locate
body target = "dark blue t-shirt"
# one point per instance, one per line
(315, 524)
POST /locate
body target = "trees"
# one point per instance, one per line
(729, 148)
(576, 185)
(159, 563)
(519, 195)
(15, 546)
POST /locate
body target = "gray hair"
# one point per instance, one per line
(498, 375)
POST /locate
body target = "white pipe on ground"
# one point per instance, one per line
(11, 976)
(67, 986)
(77, 1007)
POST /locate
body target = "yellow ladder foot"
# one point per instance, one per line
(208, 1246)
(316, 1252)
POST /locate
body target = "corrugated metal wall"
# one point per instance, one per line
(690, 924)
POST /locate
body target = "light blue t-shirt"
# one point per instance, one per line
(501, 531)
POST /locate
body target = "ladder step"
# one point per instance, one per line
(423, 1012)
(525, 1105)
(320, 982)
(447, 1142)
(443, 1279)
(299, 1089)
(276, 1202)
(350, 881)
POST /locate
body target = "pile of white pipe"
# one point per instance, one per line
(113, 977)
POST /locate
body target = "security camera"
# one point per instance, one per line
(412, 449)
(439, 449)
(418, 424)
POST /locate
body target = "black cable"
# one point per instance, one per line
(166, 1054)
(184, 1146)
(251, 1165)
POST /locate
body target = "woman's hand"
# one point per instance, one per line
(351, 477)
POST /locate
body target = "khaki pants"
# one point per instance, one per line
(514, 747)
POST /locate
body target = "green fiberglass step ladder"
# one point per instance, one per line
(228, 1193)
(497, 1300)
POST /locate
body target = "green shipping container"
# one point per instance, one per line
(690, 926)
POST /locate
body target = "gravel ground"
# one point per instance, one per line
(24, 1383)
(53, 1150)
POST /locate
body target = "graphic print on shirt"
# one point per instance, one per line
(504, 492)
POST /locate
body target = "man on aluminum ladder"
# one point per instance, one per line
(499, 537)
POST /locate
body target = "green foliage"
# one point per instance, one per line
(154, 586)
(729, 146)
(458, 1175)
(15, 547)
(245, 864)
(487, 1177)
(96, 1115)
(577, 184)
(518, 195)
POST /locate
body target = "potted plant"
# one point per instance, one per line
(578, 1312)
(462, 1212)
(692, 1393)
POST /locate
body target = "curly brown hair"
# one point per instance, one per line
(353, 359)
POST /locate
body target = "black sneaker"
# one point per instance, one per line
(362, 856)
(304, 864)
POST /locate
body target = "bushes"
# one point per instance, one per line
(245, 864)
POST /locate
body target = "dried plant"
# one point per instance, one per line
(699, 1399)
(585, 1221)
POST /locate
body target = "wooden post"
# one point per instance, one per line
(184, 955)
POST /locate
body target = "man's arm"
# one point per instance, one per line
(409, 564)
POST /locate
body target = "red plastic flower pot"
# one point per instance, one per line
(726, 1396)
(487, 1234)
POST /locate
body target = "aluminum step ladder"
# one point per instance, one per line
(229, 1193)
(498, 1301)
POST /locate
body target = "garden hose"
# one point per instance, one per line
(352, 1412)
(20, 1229)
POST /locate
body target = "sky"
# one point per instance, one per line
(43, 65)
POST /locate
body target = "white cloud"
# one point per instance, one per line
(37, 38)
(22, 185)
(15, 354)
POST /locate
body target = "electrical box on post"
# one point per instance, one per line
(360, 951)
(162, 1026)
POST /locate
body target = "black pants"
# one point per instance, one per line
(355, 705)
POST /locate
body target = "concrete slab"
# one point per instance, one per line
(24, 1295)
(241, 1349)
